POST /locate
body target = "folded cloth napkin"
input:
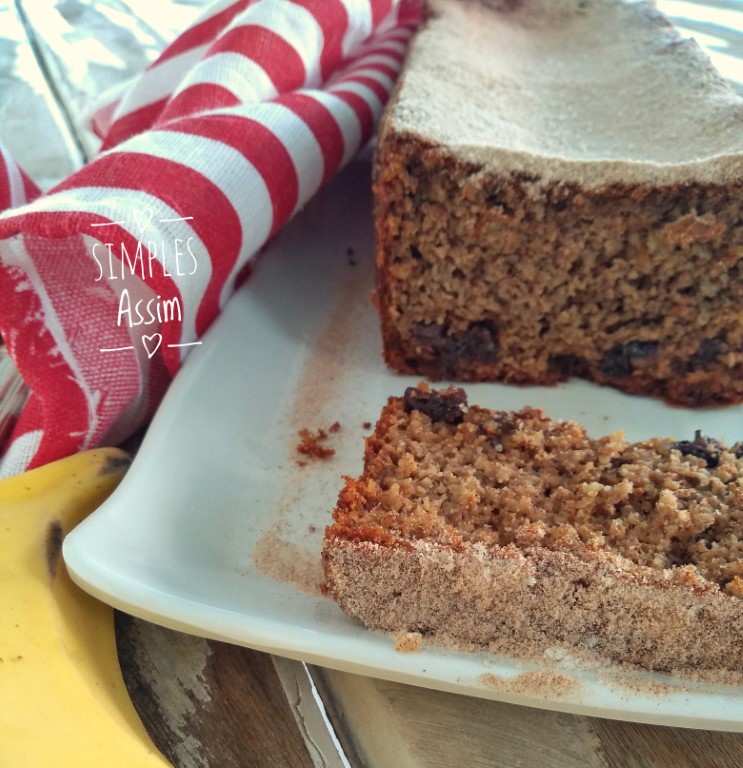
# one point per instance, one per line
(110, 279)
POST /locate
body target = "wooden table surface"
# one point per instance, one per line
(212, 704)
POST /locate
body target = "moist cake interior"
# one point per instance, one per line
(443, 469)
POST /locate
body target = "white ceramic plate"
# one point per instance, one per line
(217, 529)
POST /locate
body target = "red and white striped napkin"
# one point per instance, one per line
(109, 280)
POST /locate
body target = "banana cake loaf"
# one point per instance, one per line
(517, 534)
(559, 192)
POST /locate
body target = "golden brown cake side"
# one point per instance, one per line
(500, 260)
(516, 534)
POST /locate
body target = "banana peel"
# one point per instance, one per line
(63, 701)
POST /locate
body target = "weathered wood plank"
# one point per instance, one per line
(32, 125)
(208, 704)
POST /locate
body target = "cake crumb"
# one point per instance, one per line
(311, 444)
(408, 642)
(278, 558)
(537, 683)
(640, 685)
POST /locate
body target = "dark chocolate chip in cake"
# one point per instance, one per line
(447, 405)
(706, 448)
(709, 351)
(478, 343)
(618, 361)
(568, 365)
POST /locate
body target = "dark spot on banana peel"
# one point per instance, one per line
(54, 538)
(114, 464)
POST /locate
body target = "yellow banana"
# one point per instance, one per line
(63, 701)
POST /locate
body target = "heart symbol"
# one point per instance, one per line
(143, 218)
(152, 343)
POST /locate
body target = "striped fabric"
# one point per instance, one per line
(111, 278)
(16, 188)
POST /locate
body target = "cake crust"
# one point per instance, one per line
(529, 602)
(416, 547)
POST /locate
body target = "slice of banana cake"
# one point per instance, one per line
(515, 533)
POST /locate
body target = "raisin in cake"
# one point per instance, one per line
(558, 192)
(514, 533)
